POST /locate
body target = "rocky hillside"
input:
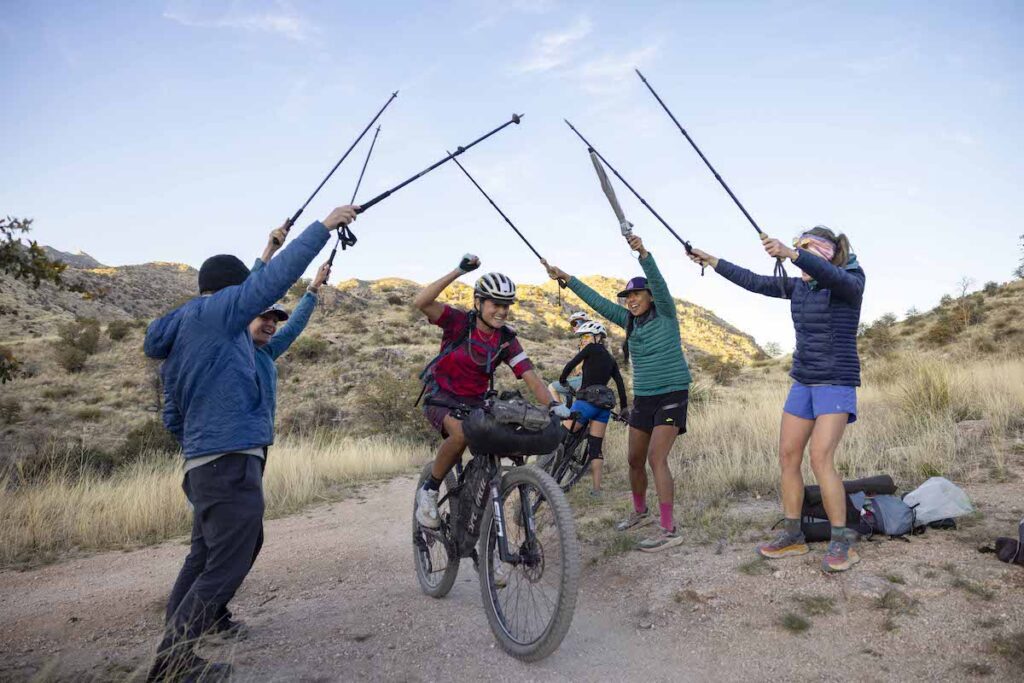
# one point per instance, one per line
(355, 367)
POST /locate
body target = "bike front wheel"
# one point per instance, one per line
(530, 604)
(434, 557)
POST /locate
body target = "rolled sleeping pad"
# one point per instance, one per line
(878, 485)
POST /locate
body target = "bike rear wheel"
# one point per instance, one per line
(531, 613)
(434, 557)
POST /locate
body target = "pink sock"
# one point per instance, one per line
(666, 516)
(639, 502)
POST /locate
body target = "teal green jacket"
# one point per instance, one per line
(655, 347)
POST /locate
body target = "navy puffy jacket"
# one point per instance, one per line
(214, 401)
(826, 314)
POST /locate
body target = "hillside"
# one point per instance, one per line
(355, 367)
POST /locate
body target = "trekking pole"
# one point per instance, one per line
(291, 221)
(780, 270)
(623, 223)
(561, 283)
(459, 150)
(346, 238)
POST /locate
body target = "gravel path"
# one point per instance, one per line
(333, 597)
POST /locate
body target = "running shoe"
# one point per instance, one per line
(663, 539)
(426, 508)
(784, 545)
(635, 520)
(840, 557)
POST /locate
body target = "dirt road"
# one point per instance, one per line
(333, 598)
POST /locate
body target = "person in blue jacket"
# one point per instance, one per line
(270, 343)
(825, 304)
(222, 415)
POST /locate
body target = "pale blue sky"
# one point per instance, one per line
(173, 130)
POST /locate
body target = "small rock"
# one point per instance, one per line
(868, 586)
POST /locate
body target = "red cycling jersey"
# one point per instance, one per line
(465, 371)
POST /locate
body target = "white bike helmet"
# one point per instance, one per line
(496, 287)
(578, 317)
(591, 327)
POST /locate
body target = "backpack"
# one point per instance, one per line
(1009, 550)
(888, 515)
(427, 374)
(814, 521)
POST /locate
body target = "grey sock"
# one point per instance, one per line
(839, 534)
(792, 526)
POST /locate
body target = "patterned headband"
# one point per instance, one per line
(821, 246)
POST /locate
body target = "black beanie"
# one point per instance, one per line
(220, 271)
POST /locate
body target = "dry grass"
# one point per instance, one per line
(144, 502)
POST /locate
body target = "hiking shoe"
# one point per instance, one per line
(226, 627)
(663, 539)
(840, 557)
(635, 521)
(426, 509)
(784, 545)
(187, 667)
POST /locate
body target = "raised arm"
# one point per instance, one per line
(426, 301)
(847, 284)
(610, 310)
(663, 301)
(284, 337)
(759, 284)
(274, 242)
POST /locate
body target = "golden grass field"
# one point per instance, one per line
(910, 407)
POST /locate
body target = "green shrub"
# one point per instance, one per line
(721, 370)
(9, 365)
(990, 287)
(941, 332)
(149, 437)
(386, 407)
(299, 288)
(311, 348)
(10, 410)
(118, 329)
(83, 334)
(71, 358)
(89, 413)
(396, 300)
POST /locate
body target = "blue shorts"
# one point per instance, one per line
(809, 402)
(589, 411)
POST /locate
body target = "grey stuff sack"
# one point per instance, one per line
(889, 515)
(938, 498)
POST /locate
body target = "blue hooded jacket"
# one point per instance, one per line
(826, 314)
(266, 370)
(216, 401)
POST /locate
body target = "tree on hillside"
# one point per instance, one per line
(773, 349)
(1019, 271)
(25, 262)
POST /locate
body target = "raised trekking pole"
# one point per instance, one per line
(346, 238)
(459, 150)
(501, 213)
(291, 221)
(625, 226)
(780, 270)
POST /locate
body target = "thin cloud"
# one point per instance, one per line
(282, 21)
(607, 72)
(553, 50)
(496, 10)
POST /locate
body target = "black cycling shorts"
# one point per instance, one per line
(668, 409)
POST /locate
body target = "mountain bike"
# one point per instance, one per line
(527, 555)
(570, 461)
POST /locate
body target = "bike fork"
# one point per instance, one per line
(529, 525)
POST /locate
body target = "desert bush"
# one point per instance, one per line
(83, 334)
(941, 332)
(990, 288)
(309, 420)
(299, 288)
(9, 365)
(118, 329)
(70, 358)
(10, 410)
(58, 393)
(309, 349)
(721, 370)
(148, 437)
(878, 339)
(89, 413)
(396, 300)
(386, 407)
